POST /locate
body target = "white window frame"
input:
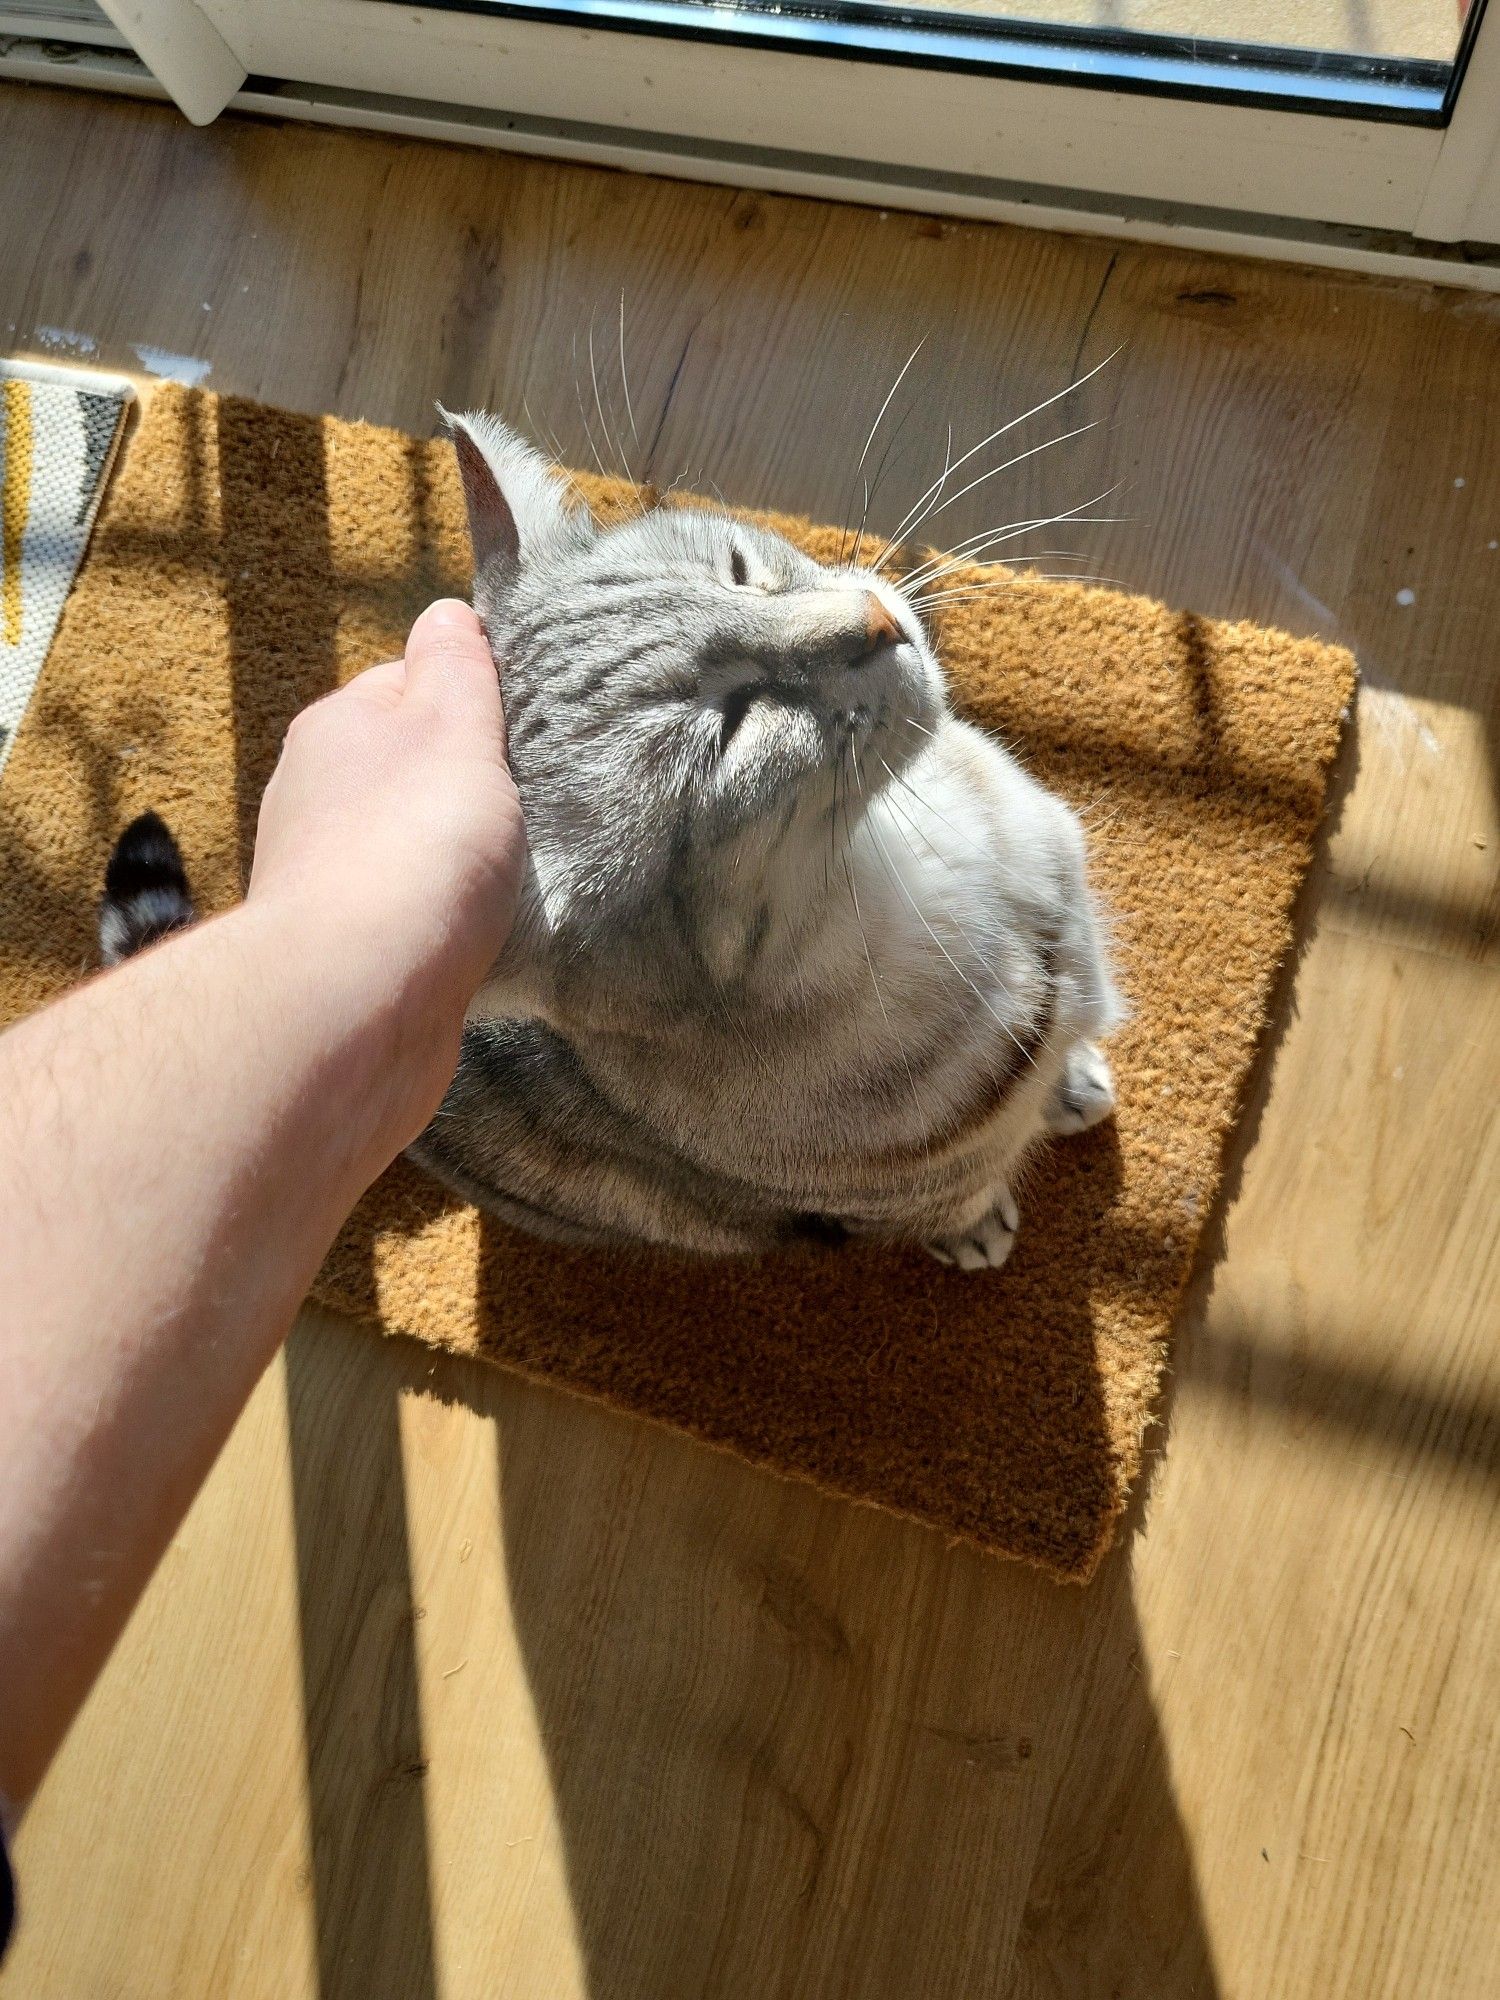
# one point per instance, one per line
(880, 123)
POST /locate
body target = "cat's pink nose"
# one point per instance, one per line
(881, 628)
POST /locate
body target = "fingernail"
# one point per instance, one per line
(450, 614)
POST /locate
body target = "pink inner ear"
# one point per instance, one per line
(492, 525)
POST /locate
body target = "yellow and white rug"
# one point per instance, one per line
(59, 431)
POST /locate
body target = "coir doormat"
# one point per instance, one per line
(247, 559)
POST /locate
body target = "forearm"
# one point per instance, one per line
(181, 1139)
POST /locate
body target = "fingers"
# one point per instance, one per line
(448, 656)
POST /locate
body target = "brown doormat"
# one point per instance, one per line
(248, 559)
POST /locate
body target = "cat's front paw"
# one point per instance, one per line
(1085, 1093)
(986, 1246)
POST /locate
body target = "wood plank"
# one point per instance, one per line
(453, 1684)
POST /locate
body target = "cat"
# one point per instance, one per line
(800, 954)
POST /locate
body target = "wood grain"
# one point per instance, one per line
(452, 1685)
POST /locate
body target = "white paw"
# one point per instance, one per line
(986, 1246)
(1085, 1093)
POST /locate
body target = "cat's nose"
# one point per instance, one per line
(846, 627)
(881, 628)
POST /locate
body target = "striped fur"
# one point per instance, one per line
(800, 952)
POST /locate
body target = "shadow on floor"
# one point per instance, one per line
(363, 1730)
(802, 1748)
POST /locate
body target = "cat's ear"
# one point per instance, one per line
(517, 504)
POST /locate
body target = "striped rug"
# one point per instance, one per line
(59, 431)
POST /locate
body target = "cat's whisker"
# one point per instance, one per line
(1077, 383)
(1013, 563)
(963, 555)
(550, 439)
(865, 453)
(624, 378)
(890, 393)
(894, 539)
(594, 379)
(927, 841)
(969, 592)
(1090, 806)
(908, 526)
(685, 477)
(1001, 573)
(968, 551)
(973, 545)
(985, 964)
(1010, 571)
(1009, 579)
(612, 440)
(874, 486)
(994, 472)
(1092, 820)
(833, 810)
(582, 413)
(958, 557)
(1042, 555)
(864, 512)
(976, 955)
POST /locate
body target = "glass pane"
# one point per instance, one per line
(1393, 60)
(1417, 30)
(58, 20)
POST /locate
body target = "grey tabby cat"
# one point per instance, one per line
(800, 953)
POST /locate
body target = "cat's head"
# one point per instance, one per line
(683, 689)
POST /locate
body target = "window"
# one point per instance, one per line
(1248, 115)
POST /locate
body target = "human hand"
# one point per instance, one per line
(391, 830)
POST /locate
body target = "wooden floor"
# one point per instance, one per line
(452, 1686)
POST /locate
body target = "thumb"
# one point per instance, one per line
(448, 656)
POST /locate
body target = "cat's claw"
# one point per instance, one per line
(1085, 1093)
(986, 1246)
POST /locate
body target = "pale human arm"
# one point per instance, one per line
(181, 1138)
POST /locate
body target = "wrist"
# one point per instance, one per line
(374, 1028)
